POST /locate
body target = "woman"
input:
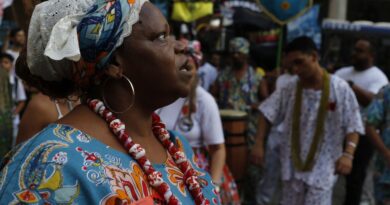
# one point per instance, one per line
(40, 110)
(197, 118)
(106, 50)
(377, 117)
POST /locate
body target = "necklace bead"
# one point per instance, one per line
(135, 150)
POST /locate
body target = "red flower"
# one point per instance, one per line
(332, 106)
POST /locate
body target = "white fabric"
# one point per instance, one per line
(18, 95)
(44, 18)
(284, 79)
(7, 3)
(15, 55)
(296, 192)
(63, 41)
(60, 115)
(372, 79)
(281, 82)
(207, 74)
(207, 129)
(53, 36)
(267, 187)
(344, 119)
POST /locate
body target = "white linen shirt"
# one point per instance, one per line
(371, 79)
(343, 117)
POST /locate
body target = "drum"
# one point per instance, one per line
(234, 127)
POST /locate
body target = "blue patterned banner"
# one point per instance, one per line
(282, 11)
(306, 25)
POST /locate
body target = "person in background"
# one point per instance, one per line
(17, 92)
(270, 185)
(366, 80)
(197, 118)
(16, 42)
(318, 111)
(40, 110)
(239, 88)
(378, 117)
(6, 105)
(208, 72)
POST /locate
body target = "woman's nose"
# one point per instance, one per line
(179, 47)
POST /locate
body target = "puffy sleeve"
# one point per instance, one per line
(375, 112)
(275, 106)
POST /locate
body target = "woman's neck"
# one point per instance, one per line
(138, 122)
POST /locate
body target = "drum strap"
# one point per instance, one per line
(308, 164)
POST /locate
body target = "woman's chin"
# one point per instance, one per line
(169, 99)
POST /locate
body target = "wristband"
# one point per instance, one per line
(348, 155)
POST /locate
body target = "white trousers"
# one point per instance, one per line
(296, 192)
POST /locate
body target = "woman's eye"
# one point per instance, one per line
(162, 37)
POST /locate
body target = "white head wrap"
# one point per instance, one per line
(52, 42)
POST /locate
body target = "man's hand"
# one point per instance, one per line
(344, 165)
(256, 156)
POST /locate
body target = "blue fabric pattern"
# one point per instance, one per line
(63, 165)
(378, 115)
(99, 32)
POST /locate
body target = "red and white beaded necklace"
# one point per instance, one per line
(138, 153)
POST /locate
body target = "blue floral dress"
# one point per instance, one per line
(378, 115)
(62, 165)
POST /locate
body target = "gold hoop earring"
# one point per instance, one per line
(132, 100)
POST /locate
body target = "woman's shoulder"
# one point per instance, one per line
(63, 165)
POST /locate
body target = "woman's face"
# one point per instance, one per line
(154, 61)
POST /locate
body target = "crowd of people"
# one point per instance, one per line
(119, 111)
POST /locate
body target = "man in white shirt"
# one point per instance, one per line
(319, 112)
(207, 75)
(366, 80)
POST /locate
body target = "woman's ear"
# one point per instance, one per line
(114, 68)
